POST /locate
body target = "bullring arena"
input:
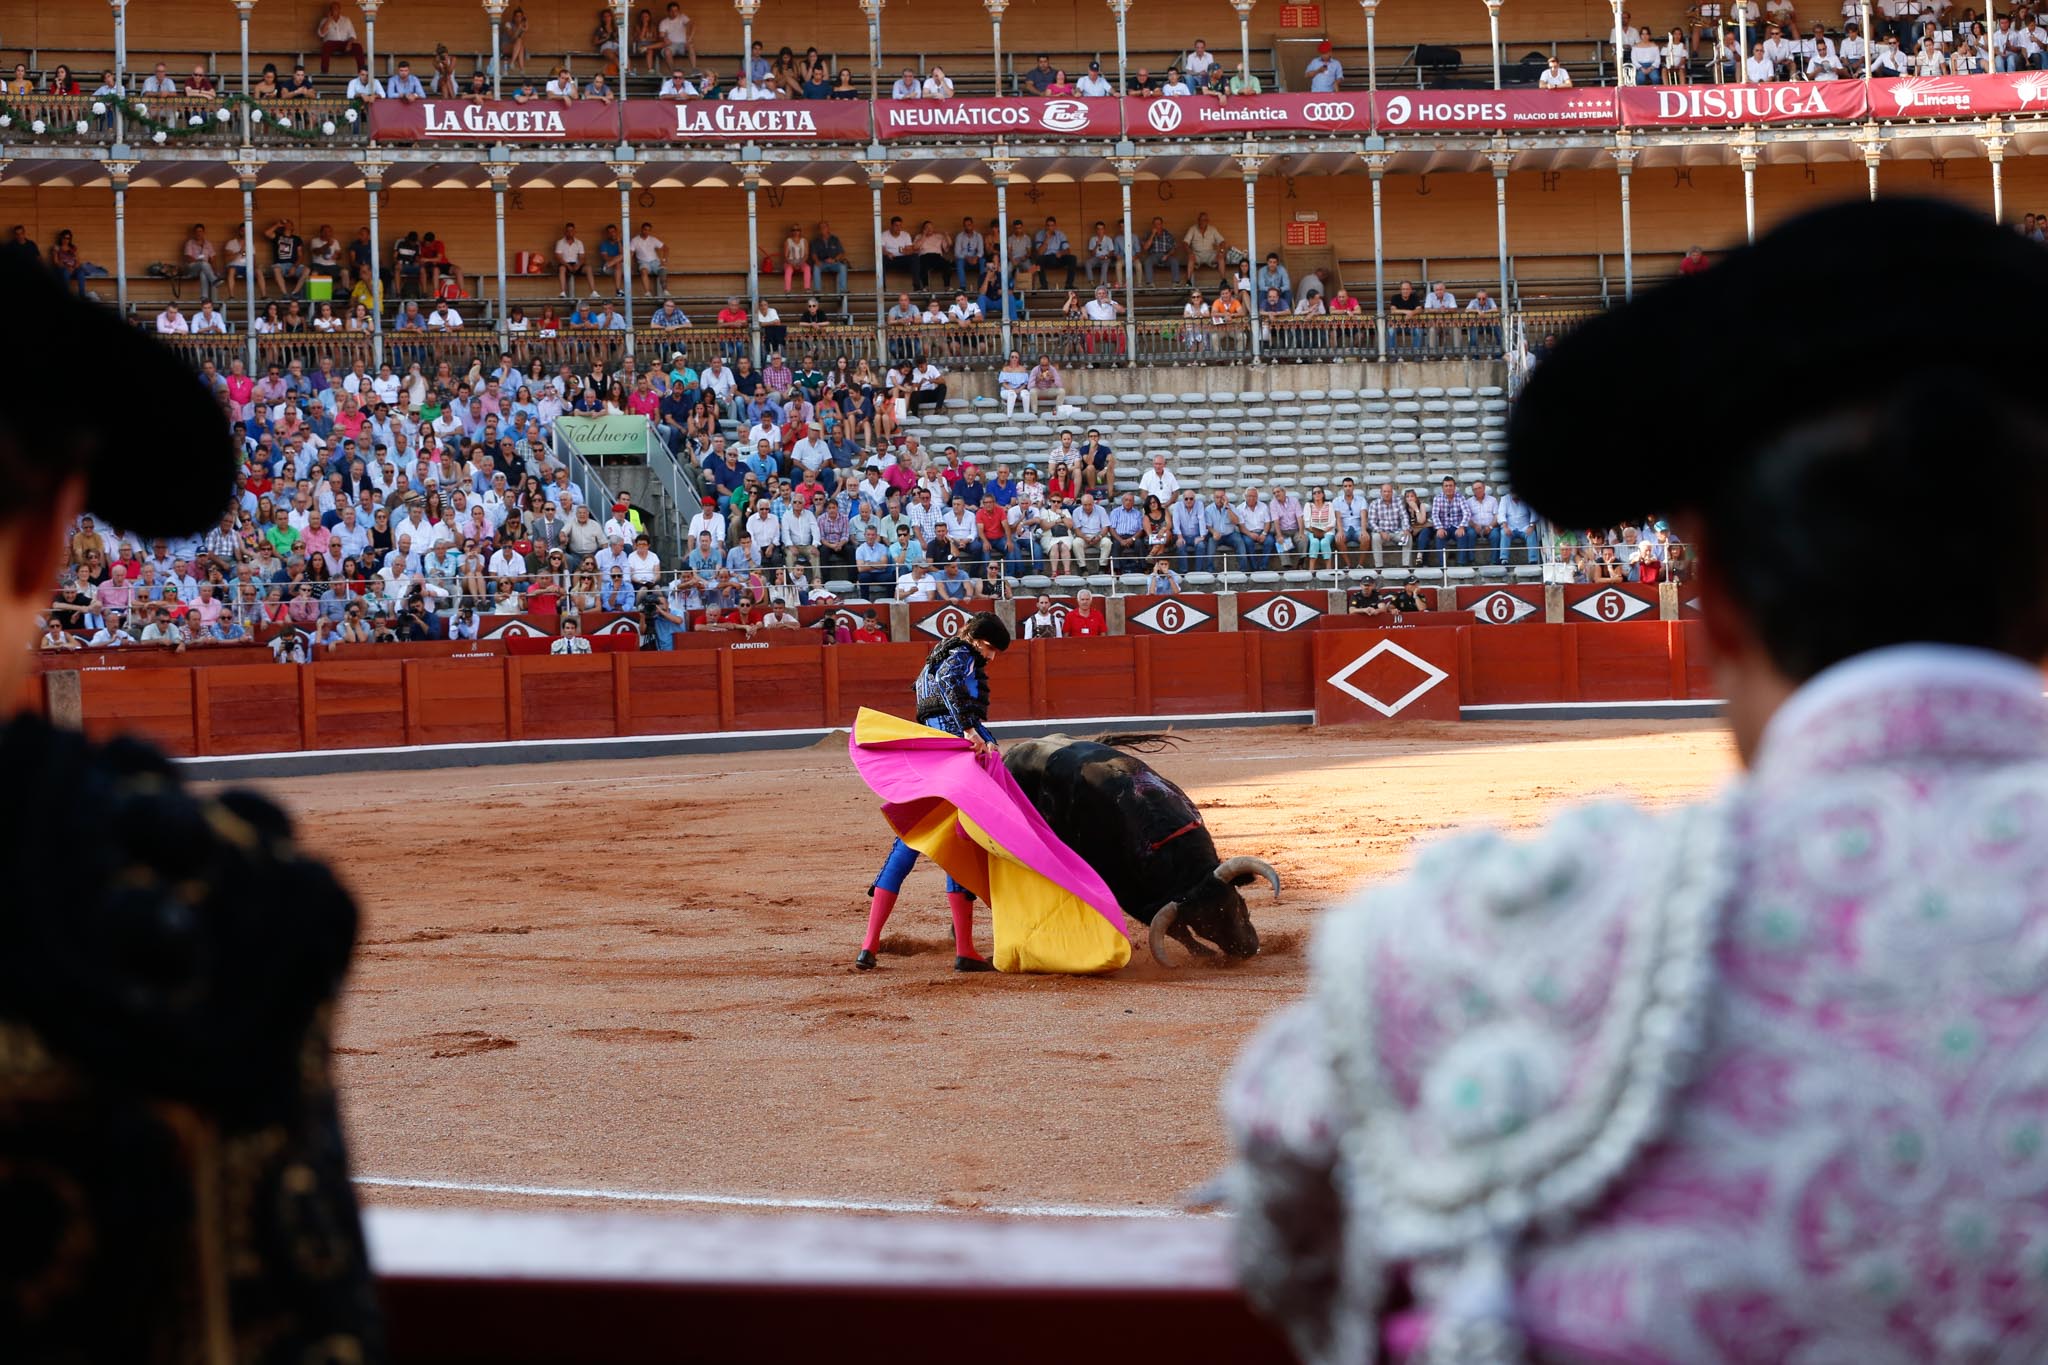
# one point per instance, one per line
(638, 980)
(589, 390)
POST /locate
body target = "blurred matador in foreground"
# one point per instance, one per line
(173, 1185)
(1763, 1078)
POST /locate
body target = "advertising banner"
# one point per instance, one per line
(896, 120)
(597, 438)
(1688, 106)
(1206, 116)
(1959, 96)
(492, 121)
(746, 121)
(1505, 110)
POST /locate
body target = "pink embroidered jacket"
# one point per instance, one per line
(1764, 1079)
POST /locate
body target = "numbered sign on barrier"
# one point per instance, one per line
(940, 619)
(1373, 677)
(1276, 611)
(1610, 603)
(1145, 615)
(1504, 606)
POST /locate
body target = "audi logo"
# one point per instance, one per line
(1163, 115)
(1398, 110)
(1338, 112)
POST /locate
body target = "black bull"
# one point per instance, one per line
(1144, 837)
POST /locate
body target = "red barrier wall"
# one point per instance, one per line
(740, 684)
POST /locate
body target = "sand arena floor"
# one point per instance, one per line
(633, 979)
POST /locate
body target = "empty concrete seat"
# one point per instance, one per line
(1282, 396)
(1035, 582)
(1067, 582)
(1200, 580)
(1296, 576)
(1265, 578)
(1132, 582)
(1493, 573)
(1528, 573)
(1399, 394)
(1460, 574)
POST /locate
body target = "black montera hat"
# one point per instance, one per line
(1827, 315)
(157, 462)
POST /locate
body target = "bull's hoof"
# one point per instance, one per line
(864, 960)
(973, 964)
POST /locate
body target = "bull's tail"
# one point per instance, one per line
(1142, 743)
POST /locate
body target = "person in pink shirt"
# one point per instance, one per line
(241, 392)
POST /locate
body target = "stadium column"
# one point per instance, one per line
(1872, 144)
(246, 171)
(1624, 162)
(1244, 33)
(747, 10)
(1746, 149)
(1493, 40)
(1249, 162)
(625, 168)
(1994, 147)
(242, 8)
(1620, 59)
(877, 168)
(1372, 56)
(494, 10)
(120, 42)
(999, 166)
(750, 166)
(1121, 9)
(1503, 162)
(369, 9)
(1376, 164)
(499, 168)
(873, 10)
(373, 181)
(120, 171)
(995, 10)
(1126, 165)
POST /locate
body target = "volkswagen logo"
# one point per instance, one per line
(1339, 112)
(1398, 110)
(1163, 115)
(1064, 116)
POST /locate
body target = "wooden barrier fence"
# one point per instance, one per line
(484, 697)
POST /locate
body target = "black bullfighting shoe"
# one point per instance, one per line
(864, 960)
(973, 964)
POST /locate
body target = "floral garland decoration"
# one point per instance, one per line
(184, 122)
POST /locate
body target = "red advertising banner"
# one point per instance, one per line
(899, 119)
(1959, 96)
(492, 121)
(746, 121)
(1688, 106)
(1507, 110)
(1206, 116)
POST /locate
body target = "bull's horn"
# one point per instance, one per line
(1230, 869)
(1162, 922)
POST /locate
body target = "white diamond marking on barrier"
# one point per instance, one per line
(1502, 609)
(1611, 605)
(1170, 617)
(1431, 676)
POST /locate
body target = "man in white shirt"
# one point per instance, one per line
(619, 525)
(928, 382)
(171, 322)
(1093, 84)
(365, 86)
(800, 538)
(1103, 308)
(1851, 51)
(1255, 524)
(1440, 299)
(677, 86)
(745, 89)
(1206, 244)
(571, 260)
(1555, 77)
(507, 562)
(766, 529)
(1484, 509)
(717, 380)
(964, 310)
(918, 585)
(207, 319)
(1325, 72)
(650, 258)
(160, 82)
(1759, 68)
(907, 86)
(709, 522)
(1159, 481)
(675, 31)
(1824, 65)
(444, 318)
(1199, 64)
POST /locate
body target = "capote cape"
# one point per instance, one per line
(1051, 911)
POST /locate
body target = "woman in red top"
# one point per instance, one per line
(1063, 483)
(61, 82)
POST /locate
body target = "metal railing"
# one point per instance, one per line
(597, 494)
(1445, 335)
(677, 481)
